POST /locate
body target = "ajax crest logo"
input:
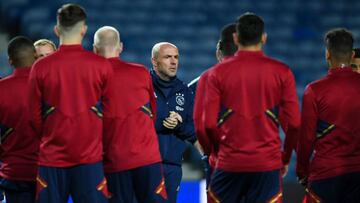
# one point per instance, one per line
(180, 100)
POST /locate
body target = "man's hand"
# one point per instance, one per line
(284, 170)
(172, 121)
(174, 114)
(303, 181)
(199, 148)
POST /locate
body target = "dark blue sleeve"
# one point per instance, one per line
(193, 87)
(186, 130)
(160, 128)
(161, 114)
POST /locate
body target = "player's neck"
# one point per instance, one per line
(257, 47)
(338, 64)
(70, 40)
(110, 55)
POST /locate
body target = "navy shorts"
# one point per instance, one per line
(344, 188)
(85, 183)
(252, 187)
(18, 191)
(142, 184)
(173, 175)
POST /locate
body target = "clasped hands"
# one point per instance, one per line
(173, 120)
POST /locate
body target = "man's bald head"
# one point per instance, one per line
(107, 42)
(156, 48)
(106, 36)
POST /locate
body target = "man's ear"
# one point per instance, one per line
(154, 63)
(35, 54)
(56, 31)
(10, 61)
(219, 55)
(236, 39)
(327, 55)
(83, 30)
(121, 47)
(264, 38)
(95, 49)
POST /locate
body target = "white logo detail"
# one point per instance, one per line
(180, 100)
(178, 108)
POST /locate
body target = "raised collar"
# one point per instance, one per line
(226, 58)
(21, 71)
(71, 47)
(244, 53)
(163, 83)
(340, 70)
(114, 59)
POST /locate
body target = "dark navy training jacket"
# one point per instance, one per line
(173, 95)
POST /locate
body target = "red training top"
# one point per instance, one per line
(66, 87)
(330, 126)
(19, 148)
(130, 139)
(247, 97)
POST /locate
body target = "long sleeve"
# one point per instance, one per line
(152, 99)
(289, 116)
(199, 118)
(108, 106)
(212, 108)
(35, 102)
(108, 92)
(186, 130)
(307, 133)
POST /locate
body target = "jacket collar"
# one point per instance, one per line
(21, 71)
(175, 84)
(339, 70)
(114, 59)
(244, 53)
(71, 47)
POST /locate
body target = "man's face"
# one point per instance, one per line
(166, 63)
(44, 50)
(355, 64)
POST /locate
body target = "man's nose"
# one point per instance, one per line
(174, 60)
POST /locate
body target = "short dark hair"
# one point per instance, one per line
(357, 52)
(226, 42)
(249, 29)
(339, 42)
(70, 14)
(20, 50)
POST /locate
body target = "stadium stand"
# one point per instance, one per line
(295, 29)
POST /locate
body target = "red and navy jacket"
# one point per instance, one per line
(199, 118)
(247, 98)
(66, 89)
(130, 139)
(198, 86)
(330, 128)
(175, 96)
(19, 147)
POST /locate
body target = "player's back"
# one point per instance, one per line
(71, 83)
(254, 90)
(338, 111)
(71, 78)
(133, 84)
(133, 125)
(19, 146)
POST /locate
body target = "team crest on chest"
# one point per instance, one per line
(180, 100)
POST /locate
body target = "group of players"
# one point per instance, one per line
(100, 129)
